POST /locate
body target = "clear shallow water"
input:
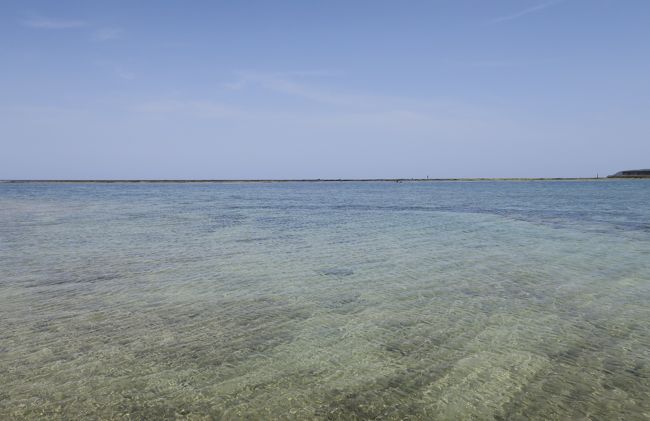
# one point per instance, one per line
(481, 300)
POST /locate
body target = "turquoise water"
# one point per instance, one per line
(429, 300)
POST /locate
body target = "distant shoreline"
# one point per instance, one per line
(323, 180)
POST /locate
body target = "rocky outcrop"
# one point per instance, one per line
(631, 174)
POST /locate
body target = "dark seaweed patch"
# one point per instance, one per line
(336, 272)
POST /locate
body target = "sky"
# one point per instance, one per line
(323, 89)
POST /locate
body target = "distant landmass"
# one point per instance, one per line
(631, 174)
(620, 174)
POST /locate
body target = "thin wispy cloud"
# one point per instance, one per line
(98, 33)
(246, 78)
(198, 108)
(534, 9)
(430, 119)
(291, 83)
(124, 74)
(117, 69)
(108, 34)
(52, 23)
(333, 106)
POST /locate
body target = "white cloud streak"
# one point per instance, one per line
(286, 83)
(534, 9)
(342, 109)
(48, 23)
(52, 23)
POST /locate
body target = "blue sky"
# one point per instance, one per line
(307, 89)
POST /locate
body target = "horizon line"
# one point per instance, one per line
(302, 180)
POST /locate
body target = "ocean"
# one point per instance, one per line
(325, 300)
